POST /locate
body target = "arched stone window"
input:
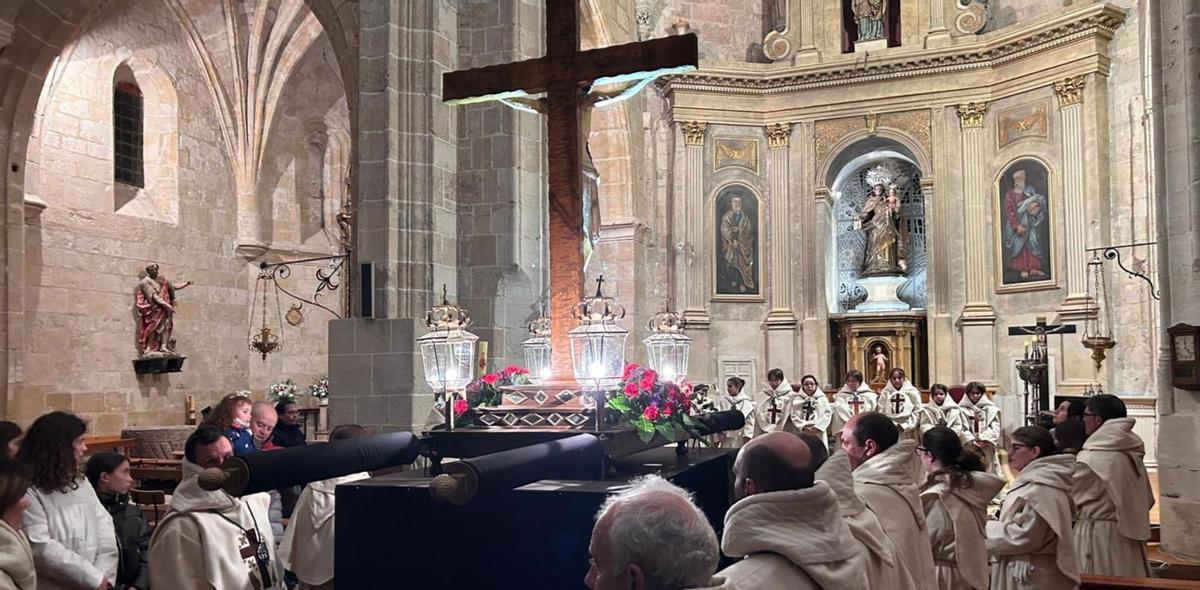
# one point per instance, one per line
(128, 128)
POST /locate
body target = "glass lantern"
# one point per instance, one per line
(537, 349)
(447, 352)
(598, 343)
(667, 347)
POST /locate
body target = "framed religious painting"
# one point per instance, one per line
(737, 251)
(1024, 227)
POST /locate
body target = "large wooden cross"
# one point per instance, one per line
(564, 75)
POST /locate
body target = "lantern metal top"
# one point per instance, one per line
(598, 309)
(540, 326)
(667, 320)
(446, 316)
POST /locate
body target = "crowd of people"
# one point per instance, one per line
(66, 523)
(901, 502)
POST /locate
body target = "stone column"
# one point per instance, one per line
(406, 212)
(1075, 220)
(939, 35)
(694, 276)
(978, 319)
(781, 320)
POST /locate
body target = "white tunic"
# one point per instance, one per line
(884, 571)
(955, 519)
(903, 407)
(983, 428)
(885, 484)
(743, 404)
(791, 539)
(774, 412)
(198, 547)
(307, 545)
(72, 536)
(1032, 540)
(847, 403)
(1112, 499)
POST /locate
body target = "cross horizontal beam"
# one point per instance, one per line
(600, 66)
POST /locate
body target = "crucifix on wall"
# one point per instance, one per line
(1034, 368)
(566, 75)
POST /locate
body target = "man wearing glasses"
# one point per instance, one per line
(1112, 493)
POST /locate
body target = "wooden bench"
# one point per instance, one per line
(115, 444)
(1090, 582)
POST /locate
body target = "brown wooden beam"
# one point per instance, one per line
(1092, 582)
(534, 76)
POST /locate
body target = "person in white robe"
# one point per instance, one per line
(70, 532)
(786, 528)
(882, 469)
(211, 540)
(1112, 493)
(982, 419)
(884, 571)
(735, 398)
(1032, 543)
(942, 410)
(901, 401)
(854, 398)
(811, 409)
(956, 496)
(775, 412)
(307, 545)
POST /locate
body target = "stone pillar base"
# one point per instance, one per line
(881, 295)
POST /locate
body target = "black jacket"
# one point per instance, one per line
(133, 541)
(287, 435)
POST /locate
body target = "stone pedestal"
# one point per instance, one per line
(881, 295)
(870, 46)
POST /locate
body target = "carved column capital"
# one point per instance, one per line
(693, 132)
(971, 114)
(1069, 91)
(778, 134)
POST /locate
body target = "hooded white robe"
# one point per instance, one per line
(792, 539)
(742, 403)
(955, 518)
(779, 420)
(884, 571)
(843, 411)
(195, 548)
(72, 537)
(307, 546)
(813, 411)
(1032, 540)
(982, 421)
(884, 482)
(1112, 502)
(903, 406)
(948, 414)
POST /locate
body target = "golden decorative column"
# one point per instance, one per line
(1070, 112)
(693, 250)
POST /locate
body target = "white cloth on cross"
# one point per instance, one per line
(846, 404)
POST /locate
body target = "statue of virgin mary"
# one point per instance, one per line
(881, 219)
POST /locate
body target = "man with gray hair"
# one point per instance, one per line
(653, 537)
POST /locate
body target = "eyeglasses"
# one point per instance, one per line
(920, 450)
(1092, 414)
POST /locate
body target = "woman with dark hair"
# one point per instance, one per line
(16, 557)
(1032, 542)
(956, 495)
(10, 438)
(735, 398)
(109, 475)
(307, 545)
(71, 533)
(1069, 436)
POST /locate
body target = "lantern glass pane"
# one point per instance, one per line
(448, 357)
(668, 355)
(537, 358)
(598, 355)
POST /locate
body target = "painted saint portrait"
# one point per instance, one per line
(737, 264)
(1026, 253)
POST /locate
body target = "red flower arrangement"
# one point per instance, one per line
(653, 406)
(485, 391)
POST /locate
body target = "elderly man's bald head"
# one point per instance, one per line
(262, 421)
(773, 462)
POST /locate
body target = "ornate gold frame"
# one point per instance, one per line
(997, 235)
(711, 215)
